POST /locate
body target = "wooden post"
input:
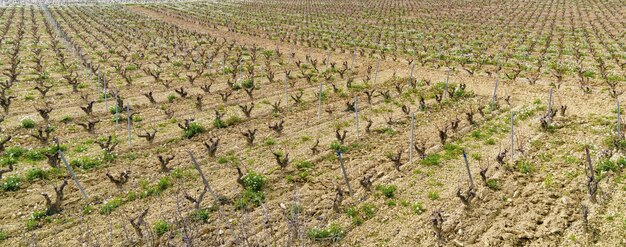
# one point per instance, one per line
(129, 123)
(328, 60)
(469, 173)
(117, 113)
(319, 103)
(411, 139)
(98, 86)
(345, 173)
(69, 169)
(550, 105)
(104, 89)
(376, 73)
(89, 77)
(493, 98)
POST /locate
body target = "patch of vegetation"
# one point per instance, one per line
(229, 157)
(270, 141)
(12, 183)
(3, 235)
(35, 155)
(431, 160)
(131, 196)
(15, 152)
(110, 206)
(525, 113)
(86, 163)
(137, 118)
(332, 233)
(490, 141)
(249, 199)
(607, 165)
(28, 123)
(219, 123)
(201, 215)
(36, 174)
(35, 219)
(304, 168)
(477, 156)
(303, 165)
(461, 94)
(525, 167)
(161, 227)
(571, 160)
(418, 208)
(254, 181)
(433, 195)
(232, 120)
(81, 148)
(548, 181)
(163, 184)
(305, 138)
(387, 190)
(452, 151)
(386, 130)
(115, 109)
(361, 214)
(493, 184)
(108, 157)
(247, 83)
(88, 209)
(294, 210)
(476, 134)
(132, 156)
(7, 160)
(193, 130)
(337, 146)
(171, 98)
